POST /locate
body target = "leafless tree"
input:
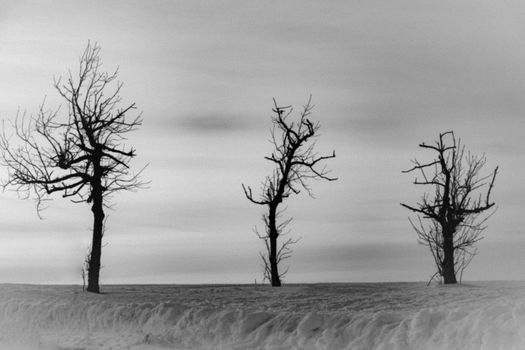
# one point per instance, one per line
(457, 209)
(84, 270)
(81, 154)
(295, 163)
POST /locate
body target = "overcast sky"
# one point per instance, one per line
(384, 75)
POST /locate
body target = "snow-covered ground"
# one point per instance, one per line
(404, 316)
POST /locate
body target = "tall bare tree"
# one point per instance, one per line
(455, 209)
(81, 154)
(295, 163)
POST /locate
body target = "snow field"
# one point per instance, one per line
(391, 316)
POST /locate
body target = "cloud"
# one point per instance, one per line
(204, 123)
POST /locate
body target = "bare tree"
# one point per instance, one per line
(82, 154)
(457, 208)
(84, 270)
(295, 163)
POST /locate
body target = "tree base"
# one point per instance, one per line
(450, 280)
(93, 289)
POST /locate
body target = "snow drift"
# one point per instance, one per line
(393, 316)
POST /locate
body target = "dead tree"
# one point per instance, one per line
(295, 163)
(84, 270)
(457, 209)
(80, 154)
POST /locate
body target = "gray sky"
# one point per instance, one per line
(384, 76)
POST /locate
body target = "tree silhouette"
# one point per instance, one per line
(455, 209)
(295, 163)
(81, 155)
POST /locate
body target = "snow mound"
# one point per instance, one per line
(392, 316)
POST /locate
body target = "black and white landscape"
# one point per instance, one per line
(262, 175)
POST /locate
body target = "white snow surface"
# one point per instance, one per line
(361, 316)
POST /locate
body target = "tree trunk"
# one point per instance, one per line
(276, 280)
(274, 272)
(96, 245)
(449, 274)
